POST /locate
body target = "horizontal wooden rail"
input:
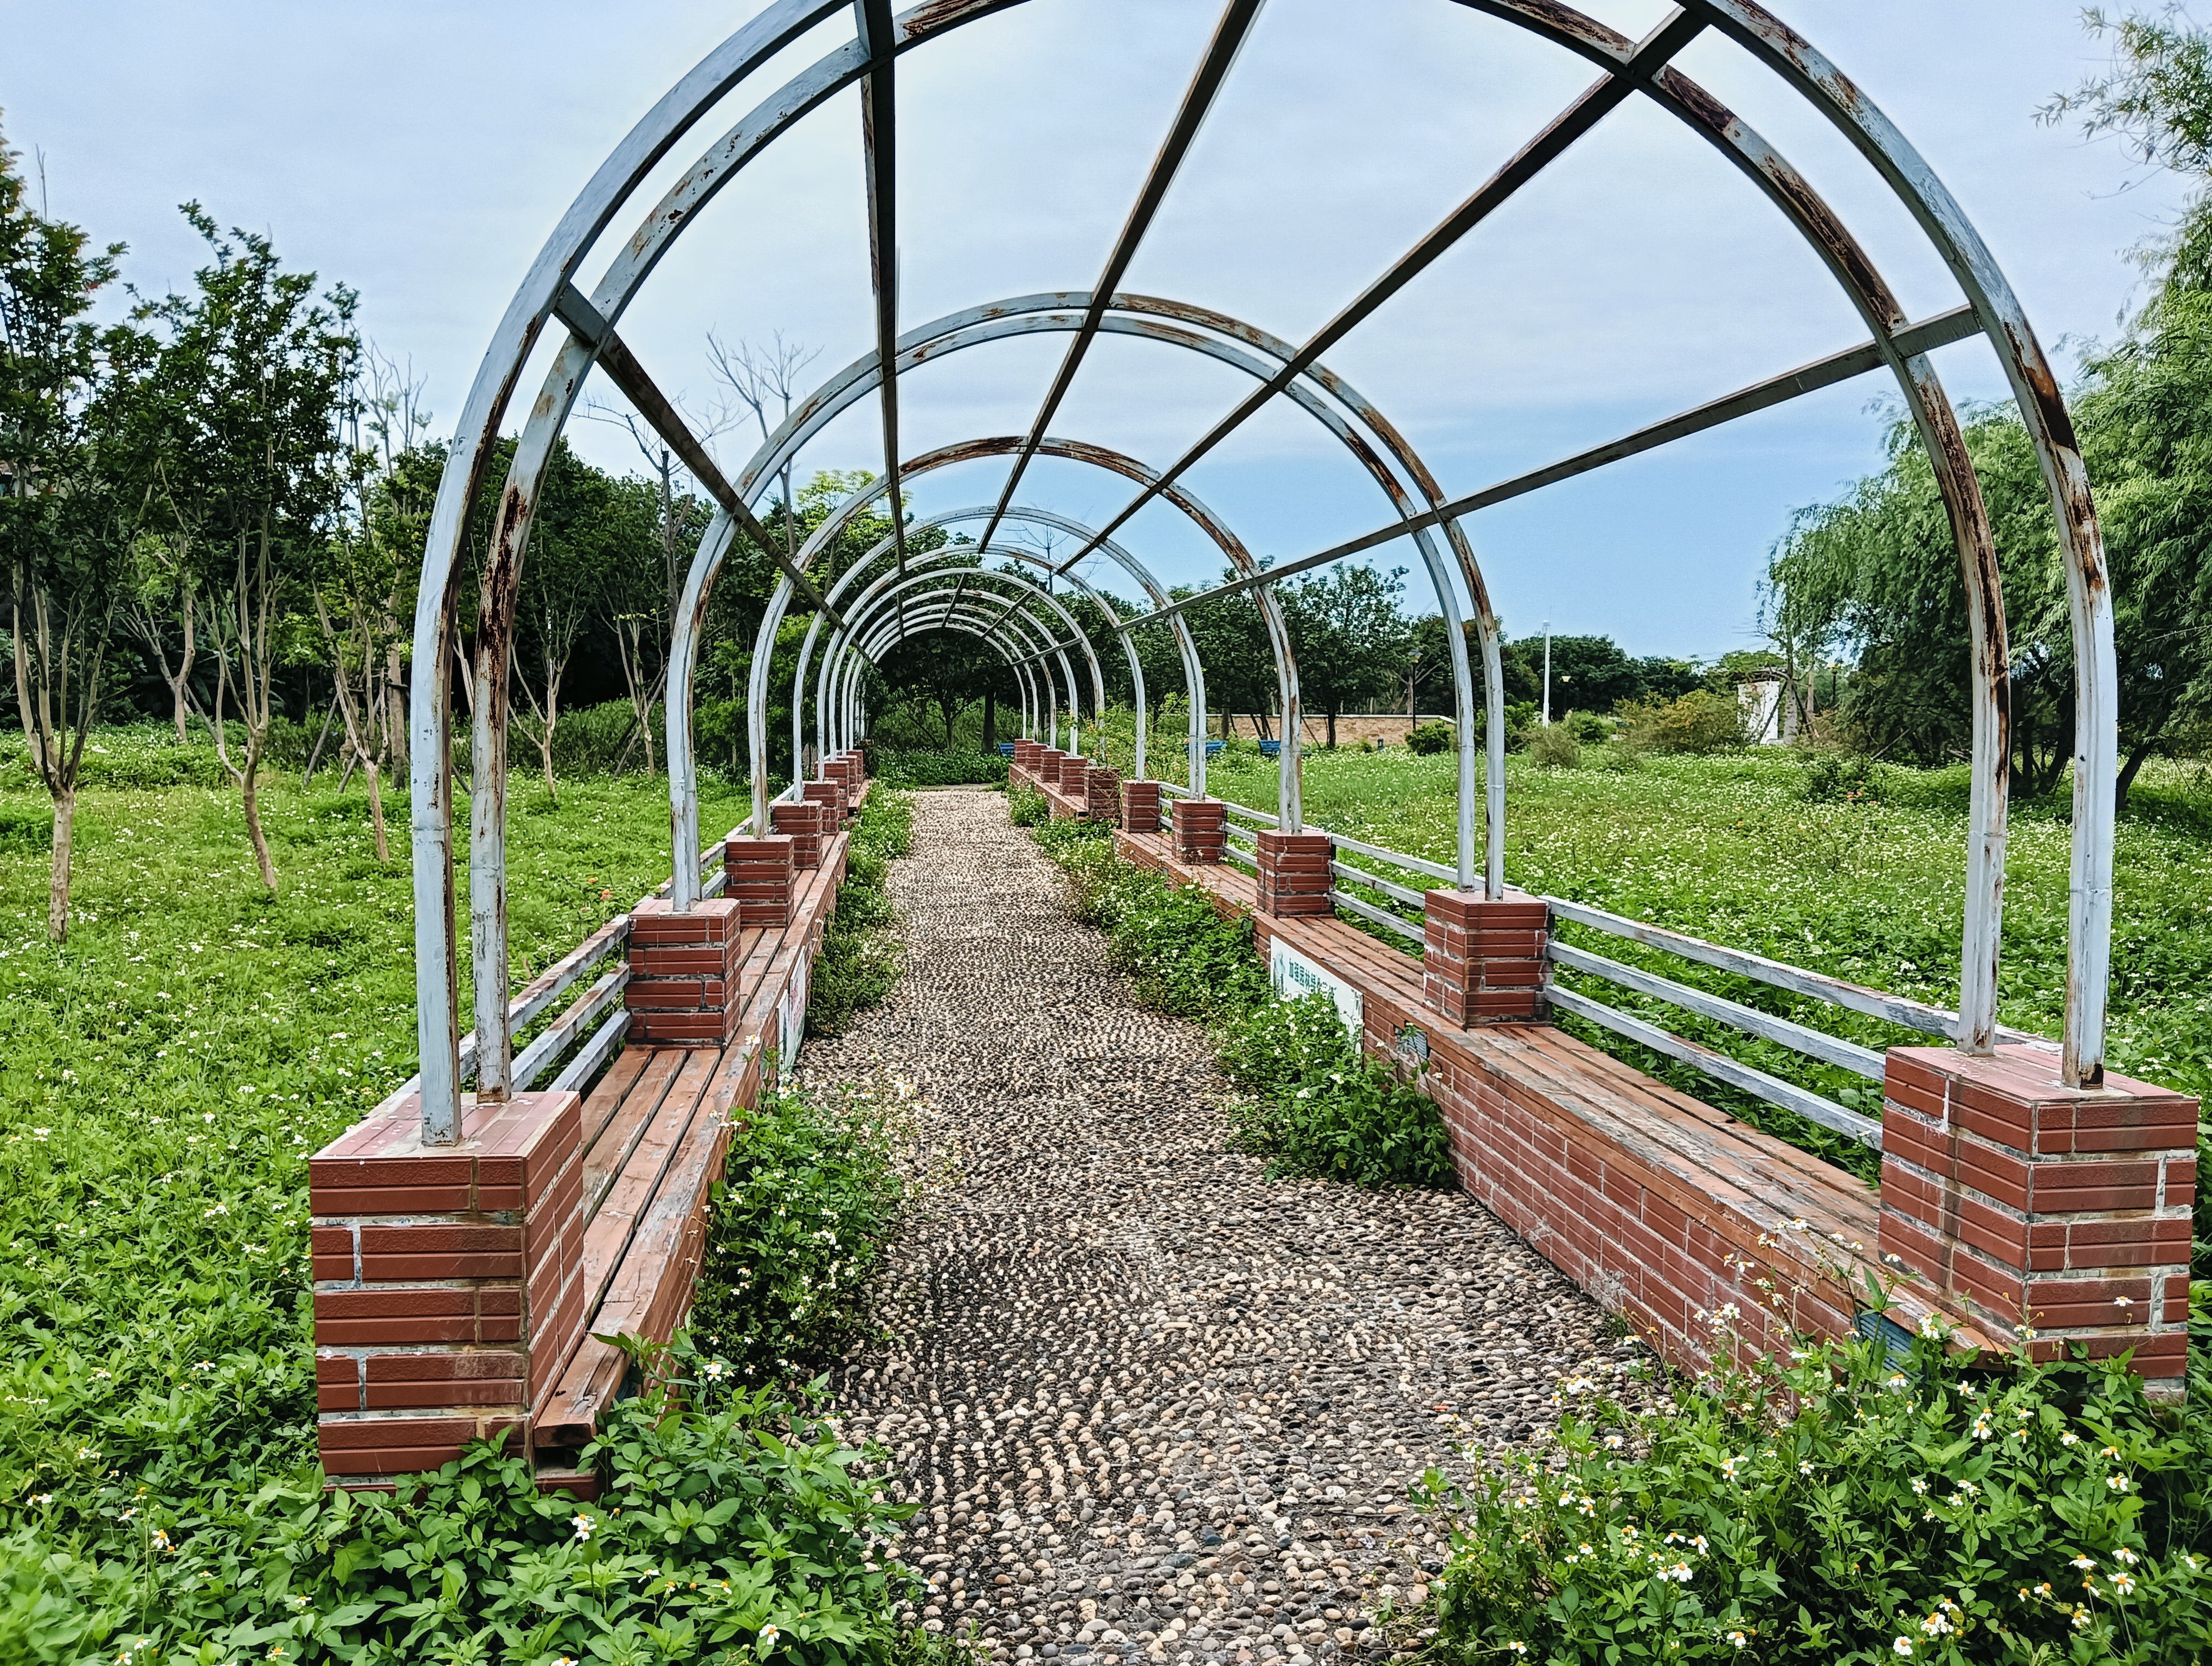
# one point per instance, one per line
(564, 1032)
(1365, 910)
(1773, 1089)
(1862, 1061)
(1875, 1003)
(1396, 893)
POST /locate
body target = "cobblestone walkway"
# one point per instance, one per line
(1154, 1405)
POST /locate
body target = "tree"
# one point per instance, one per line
(73, 430)
(1589, 673)
(945, 670)
(256, 374)
(2156, 98)
(1427, 664)
(1347, 635)
(759, 377)
(585, 526)
(1232, 645)
(365, 589)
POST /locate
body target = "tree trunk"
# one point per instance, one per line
(546, 761)
(2136, 758)
(57, 890)
(250, 792)
(1332, 729)
(395, 701)
(375, 815)
(990, 721)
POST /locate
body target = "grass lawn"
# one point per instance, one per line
(165, 1074)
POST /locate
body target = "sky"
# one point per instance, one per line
(421, 153)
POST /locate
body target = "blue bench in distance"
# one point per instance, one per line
(1271, 749)
(1005, 749)
(1216, 748)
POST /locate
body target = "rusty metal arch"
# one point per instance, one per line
(1627, 70)
(1054, 311)
(1193, 673)
(713, 548)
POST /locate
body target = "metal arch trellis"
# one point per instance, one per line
(1627, 70)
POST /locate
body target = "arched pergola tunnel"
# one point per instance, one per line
(612, 1158)
(1418, 507)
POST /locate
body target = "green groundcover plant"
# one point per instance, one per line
(940, 769)
(1313, 1104)
(859, 958)
(735, 1525)
(1849, 1503)
(811, 1191)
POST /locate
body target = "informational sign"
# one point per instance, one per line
(791, 1017)
(1294, 974)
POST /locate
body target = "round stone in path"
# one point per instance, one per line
(1153, 1405)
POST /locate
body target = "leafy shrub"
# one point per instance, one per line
(1430, 739)
(859, 963)
(1699, 721)
(1832, 778)
(811, 1189)
(1318, 1107)
(733, 1523)
(955, 768)
(1588, 726)
(1554, 745)
(1843, 1508)
(1027, 806)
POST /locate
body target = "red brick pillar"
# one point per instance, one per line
(1484, 961)
(757, 875)
(804, 823)
(830, 795)
(1102, 794)
(1026, 755)
(2064, 1209)
(684, 973)
(449, 1287)
(1293, 872)
(1199, 824)
(1141, 806)
(845, 770)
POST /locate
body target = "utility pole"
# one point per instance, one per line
(1547, 673)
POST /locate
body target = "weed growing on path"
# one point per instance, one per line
(1313, 1104)
(1317, 1106)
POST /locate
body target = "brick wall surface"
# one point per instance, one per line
(830, 795)
(1197, 825)
(1141, 806)
(1483, 960)
(683, 980)
(1293, 872)
(2065, 1212)
(757, 876)
(803, 824)
(1102, 794)
(448, 1279)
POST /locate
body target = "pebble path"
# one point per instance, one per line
(1153, 1405)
